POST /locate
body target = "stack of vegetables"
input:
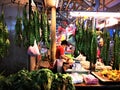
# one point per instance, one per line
(42, 79)
(4, 37)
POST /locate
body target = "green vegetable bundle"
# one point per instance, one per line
(83, 40)
(116, 51)
(18, 32)
(25, 33)
(4, 37)
(105, 48)
(45, 30)
(31, 28)
(62, 82)
(93, 49)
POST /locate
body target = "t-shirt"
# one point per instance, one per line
(59, 51)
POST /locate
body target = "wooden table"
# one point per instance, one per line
(98, 86)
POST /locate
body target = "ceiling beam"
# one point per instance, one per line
(104, 4)
(67, 5)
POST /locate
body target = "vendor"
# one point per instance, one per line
(60, 51)
(60, 56)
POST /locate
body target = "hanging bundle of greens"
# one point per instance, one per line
(34, 27)
(37, 25)
(45, 38)
(93, 49)
(83, 37)
(105, 49)
(88, 35)
(31, 29)
(116, 51)
(4, 37)
(25, 27)
(78, 38)
(18, 29)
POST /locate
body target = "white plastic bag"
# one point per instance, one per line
(33, 50)
(36, 50)
(59, 65)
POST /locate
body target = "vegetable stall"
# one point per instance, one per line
(38, 36)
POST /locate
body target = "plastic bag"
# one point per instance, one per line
(33, 50)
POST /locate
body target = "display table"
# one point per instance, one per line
(100, 85)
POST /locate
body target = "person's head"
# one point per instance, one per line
(64, 42)
(101, 42)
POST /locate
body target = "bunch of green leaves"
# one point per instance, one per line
(116, 51)
(20, 80)
(42, 79)
(62, 82)
(3, 82)
(4, 37)
(106, 47)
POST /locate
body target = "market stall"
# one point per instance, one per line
(91, 55)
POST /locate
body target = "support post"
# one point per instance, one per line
(29, 58)
(53, 35)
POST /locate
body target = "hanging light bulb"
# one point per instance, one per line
(32, 3)
(57, 2)
(107, 23)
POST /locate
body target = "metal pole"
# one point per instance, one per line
(30, 10)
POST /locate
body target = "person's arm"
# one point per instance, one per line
(65, 57)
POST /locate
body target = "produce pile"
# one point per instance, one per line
(42, 79)
(111, 74)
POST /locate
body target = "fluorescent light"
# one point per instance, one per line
(95, 14)
(107, 23)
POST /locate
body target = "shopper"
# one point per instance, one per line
(61, 35)
(100, 45)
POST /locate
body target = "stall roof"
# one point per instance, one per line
(71, 5)
(64, 6)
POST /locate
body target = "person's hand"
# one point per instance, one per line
(69, 59)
